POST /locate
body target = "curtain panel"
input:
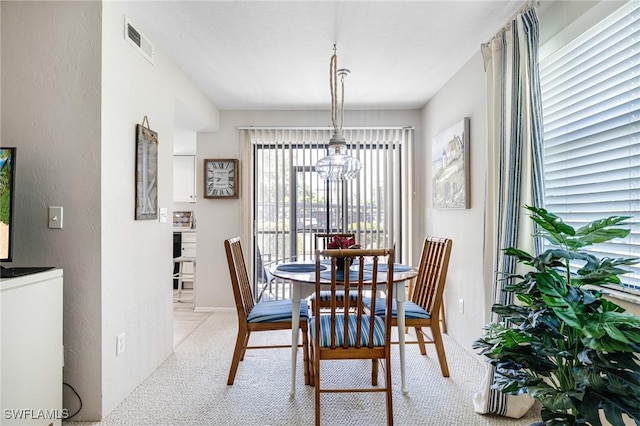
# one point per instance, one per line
(514, 169)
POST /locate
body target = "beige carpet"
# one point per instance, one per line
(190, 388)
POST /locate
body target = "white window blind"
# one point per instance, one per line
(292, 203)
(590, 90)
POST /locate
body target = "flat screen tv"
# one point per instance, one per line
(7, 195)
(7, 216)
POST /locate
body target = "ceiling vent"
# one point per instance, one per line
(138, 40)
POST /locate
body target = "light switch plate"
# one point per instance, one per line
(55, 217)
(163, 215)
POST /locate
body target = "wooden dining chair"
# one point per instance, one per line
(423, 308)
(261, 316)
(320, 242)
(345, 334)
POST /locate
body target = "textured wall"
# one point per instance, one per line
(51, 113)
(463, 96)
(136, 254)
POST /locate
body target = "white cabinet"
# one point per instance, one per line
(184, 178)
(189, 244)
(188, 250)
(32, 352)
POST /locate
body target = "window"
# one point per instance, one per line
(590, 98)
(291, 202)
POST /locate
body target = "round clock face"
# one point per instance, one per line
(220, 178)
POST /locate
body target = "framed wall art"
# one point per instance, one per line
(221, 178)
(146, 172)
(450, 165)
(183, 219)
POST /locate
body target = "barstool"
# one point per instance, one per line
(182, 276)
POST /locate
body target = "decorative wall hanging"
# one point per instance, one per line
(146, 172)
(221, 178)
(183, 219)
(450, 165)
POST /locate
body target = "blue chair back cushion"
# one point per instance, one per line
(276, 311)
(325, 330)
(411, 310)
(325, 296)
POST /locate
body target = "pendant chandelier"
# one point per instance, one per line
(338, 165)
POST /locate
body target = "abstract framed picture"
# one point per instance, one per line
(146, 173)
(450, 166)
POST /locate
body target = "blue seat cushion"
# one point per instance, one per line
(325, 330)
(325, 295)
(411, 309)
(276, 311)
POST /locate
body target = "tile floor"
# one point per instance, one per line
(185, 320)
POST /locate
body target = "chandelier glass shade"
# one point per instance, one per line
(338, 165)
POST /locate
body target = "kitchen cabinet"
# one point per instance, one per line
(184, 178)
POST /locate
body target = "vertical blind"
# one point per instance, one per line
(590, 91)
(291, 202)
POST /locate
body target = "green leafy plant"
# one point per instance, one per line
(562, 342)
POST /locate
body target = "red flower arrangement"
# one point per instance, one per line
(339, 242)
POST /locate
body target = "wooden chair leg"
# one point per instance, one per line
(443, 319)
(316, 368)
(238, 353)
(421, 342)
(437, 340)
(374, 372)
(305, 355)
(312, 378)
(387, 383)
(245, 344)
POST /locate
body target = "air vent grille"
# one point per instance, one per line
(138, 40)
(133, 35)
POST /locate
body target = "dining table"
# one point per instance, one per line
(302, 275)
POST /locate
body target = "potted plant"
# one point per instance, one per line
(562, 342)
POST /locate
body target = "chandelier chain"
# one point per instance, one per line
(337, 114)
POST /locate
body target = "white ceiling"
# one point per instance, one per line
(247, 55)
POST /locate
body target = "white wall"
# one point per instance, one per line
(73, 90)
(221, 219)
(463, 96)
(137, 293)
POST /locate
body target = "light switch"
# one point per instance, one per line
(163, 215)
(55, 217)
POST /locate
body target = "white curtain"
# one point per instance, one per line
(514, 167)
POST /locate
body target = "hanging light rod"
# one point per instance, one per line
(337, 165)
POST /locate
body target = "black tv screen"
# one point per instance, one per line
(7, 187)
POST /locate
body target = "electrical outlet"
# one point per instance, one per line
(461, 305)
(120, 344)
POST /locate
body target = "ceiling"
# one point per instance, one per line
(253, 55)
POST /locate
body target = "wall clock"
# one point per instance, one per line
(221, 178)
